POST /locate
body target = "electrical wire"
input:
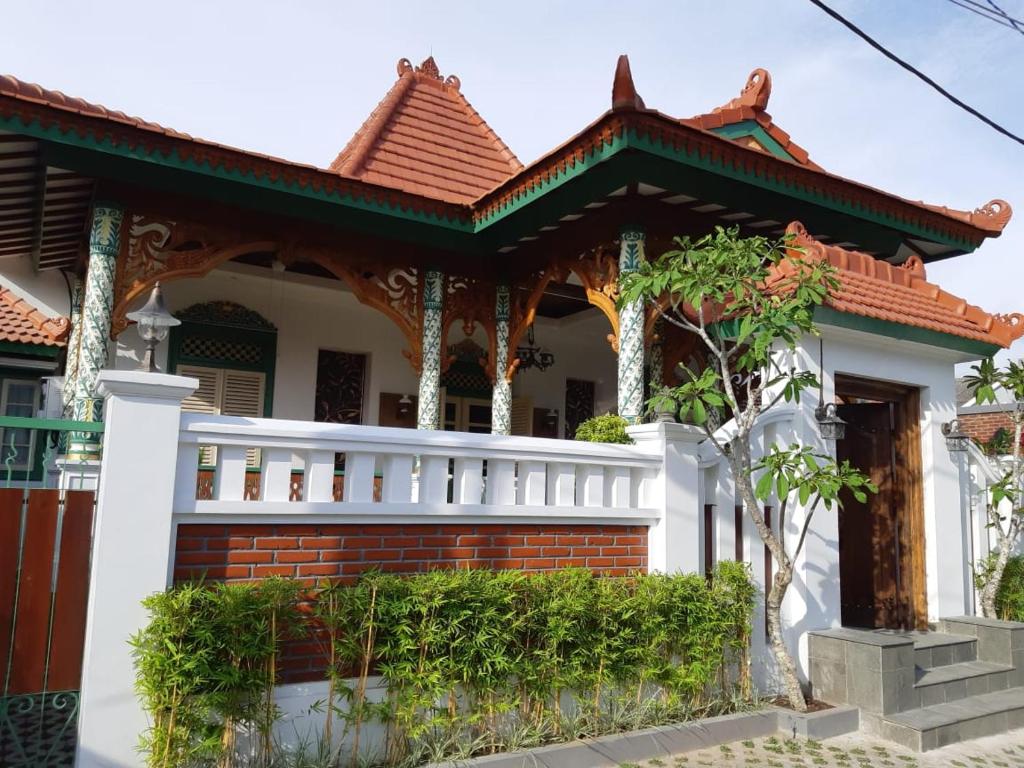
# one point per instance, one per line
(997, 16)
(916, 72)
(984, 14)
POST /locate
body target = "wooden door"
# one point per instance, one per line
(871, 561)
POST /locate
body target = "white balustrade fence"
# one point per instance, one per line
(391, 472)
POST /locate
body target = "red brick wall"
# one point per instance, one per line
(311, 551)
(314, 551)
(982, 426)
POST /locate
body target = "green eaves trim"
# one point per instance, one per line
(692, 157)
(829, 316)
(174, 160)
(754, 130)
(29, 350)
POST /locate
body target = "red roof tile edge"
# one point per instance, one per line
(41, 329)
(1002, 330)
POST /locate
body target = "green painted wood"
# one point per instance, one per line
(55, 425)
(753, 129)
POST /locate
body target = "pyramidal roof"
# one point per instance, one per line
(745, 121)
(425, 138)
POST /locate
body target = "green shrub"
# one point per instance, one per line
(1010, 598)
(608, 428)
(476, 661)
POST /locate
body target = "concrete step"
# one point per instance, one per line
(952, 682)
(939, 649)
(969, 718)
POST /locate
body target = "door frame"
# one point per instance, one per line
(909, 478)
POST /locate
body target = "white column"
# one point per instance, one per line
(132, 550)
(429, 413)
(631, 332)
(673, 542)
(501, 400)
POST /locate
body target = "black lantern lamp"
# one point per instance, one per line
(956, 441)
(830, 426)
(154, 322)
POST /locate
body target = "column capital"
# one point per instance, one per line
(105, 235)
(632, 232)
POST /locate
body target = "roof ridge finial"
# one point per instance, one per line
(624, 95)
(757, 90)
(429, 70)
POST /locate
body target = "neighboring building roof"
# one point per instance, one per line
(22, 323)
(425, 138)
(749, 108)
(900, 294)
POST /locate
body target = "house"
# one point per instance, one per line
(427, 278)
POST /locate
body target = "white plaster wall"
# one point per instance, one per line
(46, 291)
(813, 602)
(580, 345)
(312, 314)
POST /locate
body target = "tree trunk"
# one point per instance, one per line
(790, 679)
(995, 578)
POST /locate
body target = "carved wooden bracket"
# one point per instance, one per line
(161, 249)
(471, 301)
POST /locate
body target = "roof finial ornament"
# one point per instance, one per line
(429, 70)
(624, 95)
(757, 90)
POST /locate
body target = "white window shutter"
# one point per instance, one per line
(522, 416)
(206, 399)
(243, 396)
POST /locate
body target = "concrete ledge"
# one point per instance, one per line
(613, 750)
(819, 725)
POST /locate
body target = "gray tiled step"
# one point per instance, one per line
(938, 649)
(970, 718)
(951, 682)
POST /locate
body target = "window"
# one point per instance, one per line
(225, 392)
(340, 377)
(18, 397)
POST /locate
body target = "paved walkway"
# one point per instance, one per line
(853, 751)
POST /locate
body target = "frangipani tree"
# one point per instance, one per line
(1006, 506)
(751, 302)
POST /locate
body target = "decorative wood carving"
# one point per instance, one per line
(472, 302)
(162, 249)
(598, 270)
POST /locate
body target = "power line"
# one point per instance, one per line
(997, 16)
(1015, 22)
(893, 57)
(985, 14)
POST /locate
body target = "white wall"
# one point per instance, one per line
(46, 291)
(313, 313)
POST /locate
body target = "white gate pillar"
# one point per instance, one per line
(131, 557)
(674, 543)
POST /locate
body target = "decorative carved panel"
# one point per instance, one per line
(340, 377)
(159, 248)
(473, 302)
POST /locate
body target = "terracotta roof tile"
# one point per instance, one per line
(901, 294)
(22, 323)
(751, 105)
(425, 138)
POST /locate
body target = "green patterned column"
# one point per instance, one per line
(430, 375)
(74, 343)
(631, 331)
(97, 306)
(656, 361)
(501, 400)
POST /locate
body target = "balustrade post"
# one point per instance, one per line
(675, 541)
(132, 554)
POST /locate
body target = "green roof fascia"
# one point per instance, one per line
(886, 231)
(228, 186)
(830, 316)
(29, 351)
(754, 130)
(691, 157)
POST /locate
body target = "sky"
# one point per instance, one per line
(296, 79)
